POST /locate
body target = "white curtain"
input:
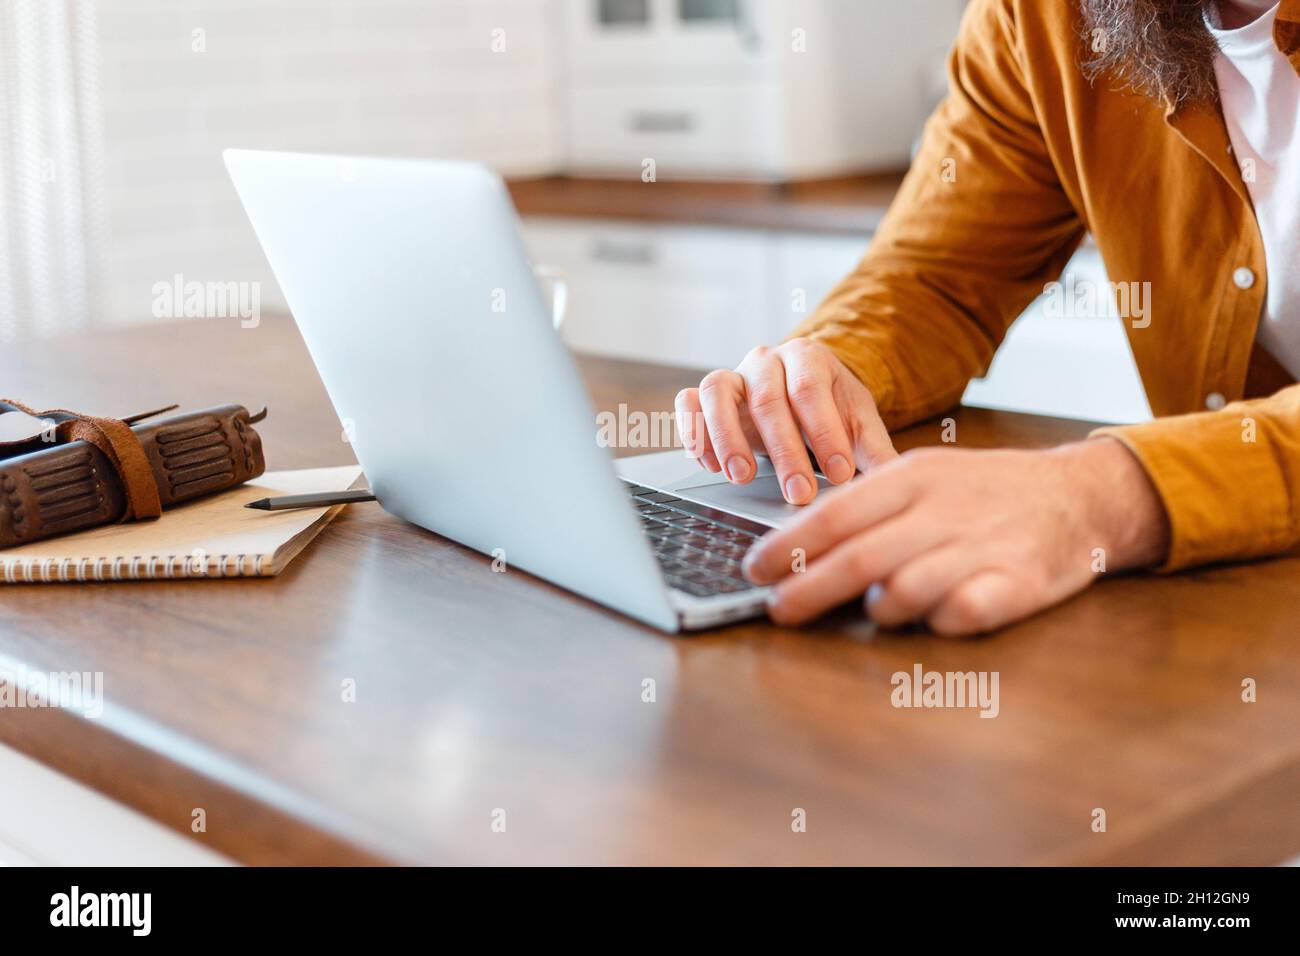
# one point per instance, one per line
(52, 214)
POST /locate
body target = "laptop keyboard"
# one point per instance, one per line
(699, 548)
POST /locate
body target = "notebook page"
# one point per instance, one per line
(214, 526)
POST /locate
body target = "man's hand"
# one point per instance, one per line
(775, 399)
(966, 540)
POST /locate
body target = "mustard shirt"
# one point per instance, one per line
(1024, 157)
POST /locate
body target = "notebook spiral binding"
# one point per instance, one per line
(137, 568)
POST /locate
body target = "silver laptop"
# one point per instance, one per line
(415, 296)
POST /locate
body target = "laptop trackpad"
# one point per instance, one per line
(760, 500)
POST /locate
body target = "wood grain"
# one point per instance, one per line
(850, 205)
(477, 691)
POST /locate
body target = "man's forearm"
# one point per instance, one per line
(1122, 504)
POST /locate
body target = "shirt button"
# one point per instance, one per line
(1243, 278)
(1215, 401)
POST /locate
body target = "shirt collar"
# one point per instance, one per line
(1254, 39)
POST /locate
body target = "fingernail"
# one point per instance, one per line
(737, 469)
(797, 489)
(838, 469)
(749, 565)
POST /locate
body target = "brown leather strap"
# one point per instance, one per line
(119, 444)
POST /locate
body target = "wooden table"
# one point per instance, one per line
(479, 691)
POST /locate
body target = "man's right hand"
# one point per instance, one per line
(774, 400)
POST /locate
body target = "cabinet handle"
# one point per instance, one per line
(623, 253)
(661, 121)
(747, 28)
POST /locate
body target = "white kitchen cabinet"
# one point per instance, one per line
(750, 89)
(807, 267)
(683, 295)
(702, 129)
(48, 819)
(703, 296)
(1072, 366)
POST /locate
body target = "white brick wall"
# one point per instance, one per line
(384, 77)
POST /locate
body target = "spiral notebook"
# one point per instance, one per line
(214, 537)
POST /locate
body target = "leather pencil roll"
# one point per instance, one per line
(74, 485)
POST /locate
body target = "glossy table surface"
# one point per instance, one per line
(478, 693)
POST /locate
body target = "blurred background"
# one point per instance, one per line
(701, 171)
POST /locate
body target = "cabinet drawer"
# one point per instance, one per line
(611, 40)
(677, 295)
(688, 130)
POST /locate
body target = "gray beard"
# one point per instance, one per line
(1158, 48)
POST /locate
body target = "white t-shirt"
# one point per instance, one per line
(1260, 94)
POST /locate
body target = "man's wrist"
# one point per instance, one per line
(1123, 510)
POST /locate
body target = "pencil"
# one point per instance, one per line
(320, 500)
